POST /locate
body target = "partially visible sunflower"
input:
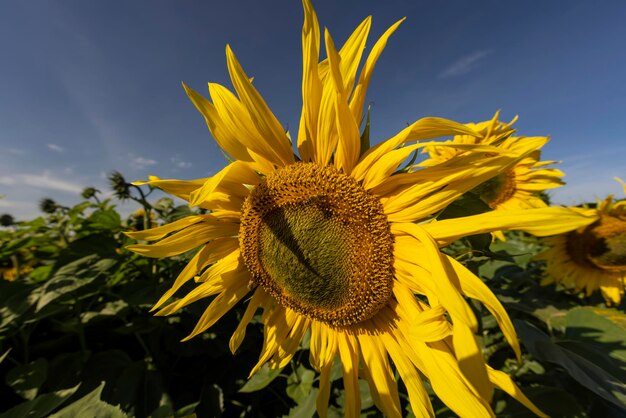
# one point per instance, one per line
(591, 257)
(518, 187)
(330, 242)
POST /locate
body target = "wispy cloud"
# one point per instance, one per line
(16, 151)
(180, 163)
(55, 148)
(464, 64)
(141, 162)
(41, 181)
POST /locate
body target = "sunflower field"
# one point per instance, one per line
(78, 338)
(329, 275)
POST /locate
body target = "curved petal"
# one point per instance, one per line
(258, 299)
(210, 253)
(187, 239)
(381, 381)
(358, 96)
(348, 352)
(238, 172)
(261, 115)
(539, 222)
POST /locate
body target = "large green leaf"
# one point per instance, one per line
(260, 379)
(73, 276)
(583, 371)
(299, 384)
(90, 406)
(26, 379)
(41, 406)
(605, 328)
(306, 408)
(106, 220)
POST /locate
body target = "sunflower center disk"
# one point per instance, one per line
(602, 244)
(318, 243)
(497, 189)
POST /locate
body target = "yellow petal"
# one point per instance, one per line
(257, 300)
(178, 188)
(381, 381)
(350, 365)
(358, 96)
(226, 139)
(418, 397)
(475, 288)
(159, 232)
(311, 83)
(261, 115)
(236, 122)
(539, 222)
(425, 128)
(471, 360)
(187, 239)
(210, 253)
(449, 296)
(323, 395)
(349, 141)
(225, 273)
(323, 346)
(218, 307)
(504, 382)
(239, 172)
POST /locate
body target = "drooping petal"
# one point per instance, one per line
(323, 346)
(449, 296)
(504, 382)
(227, 272)
(425, 128)
(219, 306)
(178, 188)
(348, 352)
(187, 239)
(475, 288)
(471, 360)
(258, 299)
(380, 377)
(539, 222)
(210, 253)
(323, 395)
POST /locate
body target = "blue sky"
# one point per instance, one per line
(89, 87)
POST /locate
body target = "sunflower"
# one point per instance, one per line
(591, 257)
(518, 187)
(328, 241)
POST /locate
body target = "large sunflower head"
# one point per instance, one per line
(328, 240)
(520, 185)
(591, 257)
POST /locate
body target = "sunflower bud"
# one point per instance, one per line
(48, 205)
(6, 220)
(89, 192)
(120, 187)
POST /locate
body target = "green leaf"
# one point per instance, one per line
(2, 357)
(306, 408)
(552, 401)
(26, 379)
(41, 406)
(605, 328)
(73, 276)
(260, 379)
(299, 384)
(107, 220)
(90, 406)
(583, 371)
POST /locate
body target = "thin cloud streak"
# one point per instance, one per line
(55, 148)
(43, 181)
(464, 65)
